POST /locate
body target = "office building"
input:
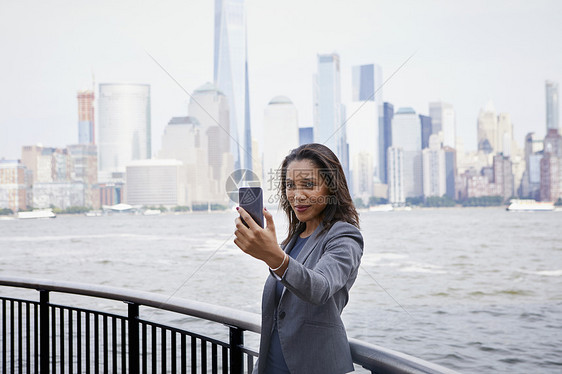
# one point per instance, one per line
(406, 134)
(503, 176)
(450, 171)
(124, 126)
(281, 135)
(552, 106)
(185, 141)
(362, 128)
(15, 185)
(385, 139)
(328, 129)
(426, 130)
(505, 135)
(395, 167)
(156, 182)
(434, 168)
(210, 108)
(84, 168)
(306, 135)
(231, 75)
(86, 127)
(443, 120)
(488, 129)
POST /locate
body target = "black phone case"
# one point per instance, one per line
(251, 200)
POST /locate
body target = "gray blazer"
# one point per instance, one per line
(317, 284)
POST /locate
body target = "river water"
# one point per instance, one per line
(473, 289)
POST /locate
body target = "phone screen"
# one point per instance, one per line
(251, 200)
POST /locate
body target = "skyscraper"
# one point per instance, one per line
(210, 107)
(362, 127)
(385, 139)
(281, 135)
(552, 106)
(328, 128)
(395, 174)
(406, 134)
(443, 119)
(426, 130)
(434, 171)
(124, 127)
(488, 129)
(86, 128)
(231, 75)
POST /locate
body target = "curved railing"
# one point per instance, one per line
(44, 336)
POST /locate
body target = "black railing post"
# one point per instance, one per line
(236, 354)
(44, 330)
(133, 319)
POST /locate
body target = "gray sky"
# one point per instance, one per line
(466, 53)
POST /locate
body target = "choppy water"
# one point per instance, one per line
(476, 290)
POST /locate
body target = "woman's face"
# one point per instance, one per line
(306, 192)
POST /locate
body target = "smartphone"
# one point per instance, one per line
(251, 200)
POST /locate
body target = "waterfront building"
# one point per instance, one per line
(362, 176)
(156, 182)
(84, 168)
(434, 171)
(426, 130)
(328, 109)
(503, 176)
(306, 135)
(480, 186)
(210, 108)
(443, 120)
(111, 193)
(15, 185)
(86, 126)
(47, 164)
(450, 171)
(124, 127)
(231, 75)
(488, 129)
(396, 191)
(59, 194)
(406, 134)
(551, 167)
(552, 106)
(385, 139)
(281, 135)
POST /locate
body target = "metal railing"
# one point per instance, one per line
(42, 337)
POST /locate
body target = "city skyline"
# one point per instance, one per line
(453, 61)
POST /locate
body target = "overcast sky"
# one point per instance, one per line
(466, 53)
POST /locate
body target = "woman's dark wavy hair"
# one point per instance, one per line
(340, 207)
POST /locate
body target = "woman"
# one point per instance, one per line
(313, 269)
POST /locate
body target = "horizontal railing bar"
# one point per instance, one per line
(244, 320)
(372, 357)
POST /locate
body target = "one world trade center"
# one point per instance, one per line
(231, 75)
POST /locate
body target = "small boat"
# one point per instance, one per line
(381, 208)
(152, 212)
(530, 205)
(37, 213)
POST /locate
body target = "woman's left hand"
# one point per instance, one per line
(256, 241)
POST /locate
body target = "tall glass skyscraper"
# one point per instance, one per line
(124, 127)
(443, 119)
(385, 139)
(362, 128)
(552, 106)
(231, 75)
(328, 107)
(406, 135)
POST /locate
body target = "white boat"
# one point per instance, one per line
(152, 212)
(381, 208)
(37, 213)
(530, 205)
